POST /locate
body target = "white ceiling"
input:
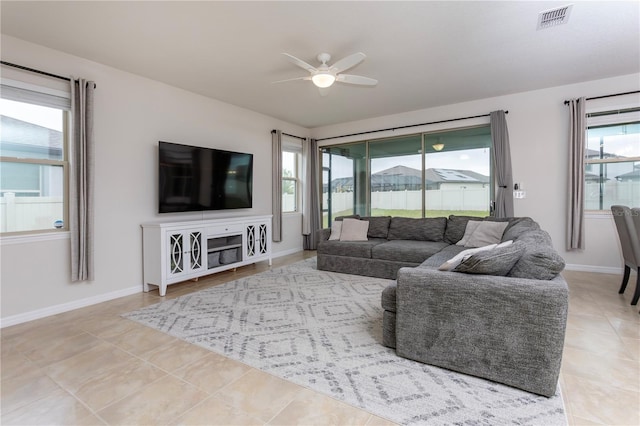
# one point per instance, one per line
(424, 54)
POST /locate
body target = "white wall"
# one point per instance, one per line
(131, 115)
(538, 124)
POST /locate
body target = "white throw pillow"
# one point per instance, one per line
(460, 257)
(487, 233)
(354, 230)
(505, 244)
(336, 230)
(472, 225)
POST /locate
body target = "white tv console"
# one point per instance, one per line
(179, 251)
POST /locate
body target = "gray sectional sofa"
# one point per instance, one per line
(500, 314)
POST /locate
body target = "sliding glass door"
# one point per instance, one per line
(344, 171)
(396, 177)
(422, 175)
(458, 172)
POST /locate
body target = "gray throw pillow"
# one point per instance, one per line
(486, 233)
(498, 261)
(456, 225)
(354, 230)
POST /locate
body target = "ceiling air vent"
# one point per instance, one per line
(552, 17)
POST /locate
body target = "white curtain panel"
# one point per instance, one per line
(502, 164)
(81, 202)
(577, 140)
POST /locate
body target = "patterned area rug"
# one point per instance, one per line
(322, 330)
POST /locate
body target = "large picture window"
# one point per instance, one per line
(612, 159)
(33, 167)
(422, 175)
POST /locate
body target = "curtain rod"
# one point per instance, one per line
(407, 126)
(290, 135)
(33, 70)
(607, 96)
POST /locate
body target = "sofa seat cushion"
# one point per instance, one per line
(407, 250)
(349, 248)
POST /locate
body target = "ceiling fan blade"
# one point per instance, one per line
(299, 62)
(356, 79)
(292, 79)
(324, 91)
(348, 62)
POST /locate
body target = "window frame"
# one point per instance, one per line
(290, 147)
(604, 117)
(61, 101)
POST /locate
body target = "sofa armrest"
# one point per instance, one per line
(323, 234)
(509, 330)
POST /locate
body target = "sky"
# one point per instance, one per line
(50, 118)
(476, 160)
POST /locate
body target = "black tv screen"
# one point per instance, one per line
(194, 179)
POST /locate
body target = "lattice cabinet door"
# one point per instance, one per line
(258, 240)
(185, 252)
(263, 238)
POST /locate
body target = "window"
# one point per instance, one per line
(33, 162)
(290, 181)
(392, 176)
(612, 159)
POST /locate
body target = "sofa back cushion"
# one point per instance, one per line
(540, 260)
(426, 229)
(519, 226)
(378, 226)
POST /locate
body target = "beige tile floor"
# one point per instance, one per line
(91, 367)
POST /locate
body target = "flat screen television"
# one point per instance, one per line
(194, 178)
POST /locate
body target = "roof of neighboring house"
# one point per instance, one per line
(634, 175)
(403, 175)
(20, 134)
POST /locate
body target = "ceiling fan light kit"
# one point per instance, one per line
(323, 80)
(324, 76)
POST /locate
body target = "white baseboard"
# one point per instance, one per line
(286, 252)
(597, 269)
(66, 307)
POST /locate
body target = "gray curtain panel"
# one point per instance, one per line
(311, 196)
(575, 210)
(502, 165)
(276, 190)
(81, 201)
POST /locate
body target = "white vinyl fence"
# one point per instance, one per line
(442, 199)
(29, 213)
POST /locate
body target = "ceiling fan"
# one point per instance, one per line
(325, 75)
